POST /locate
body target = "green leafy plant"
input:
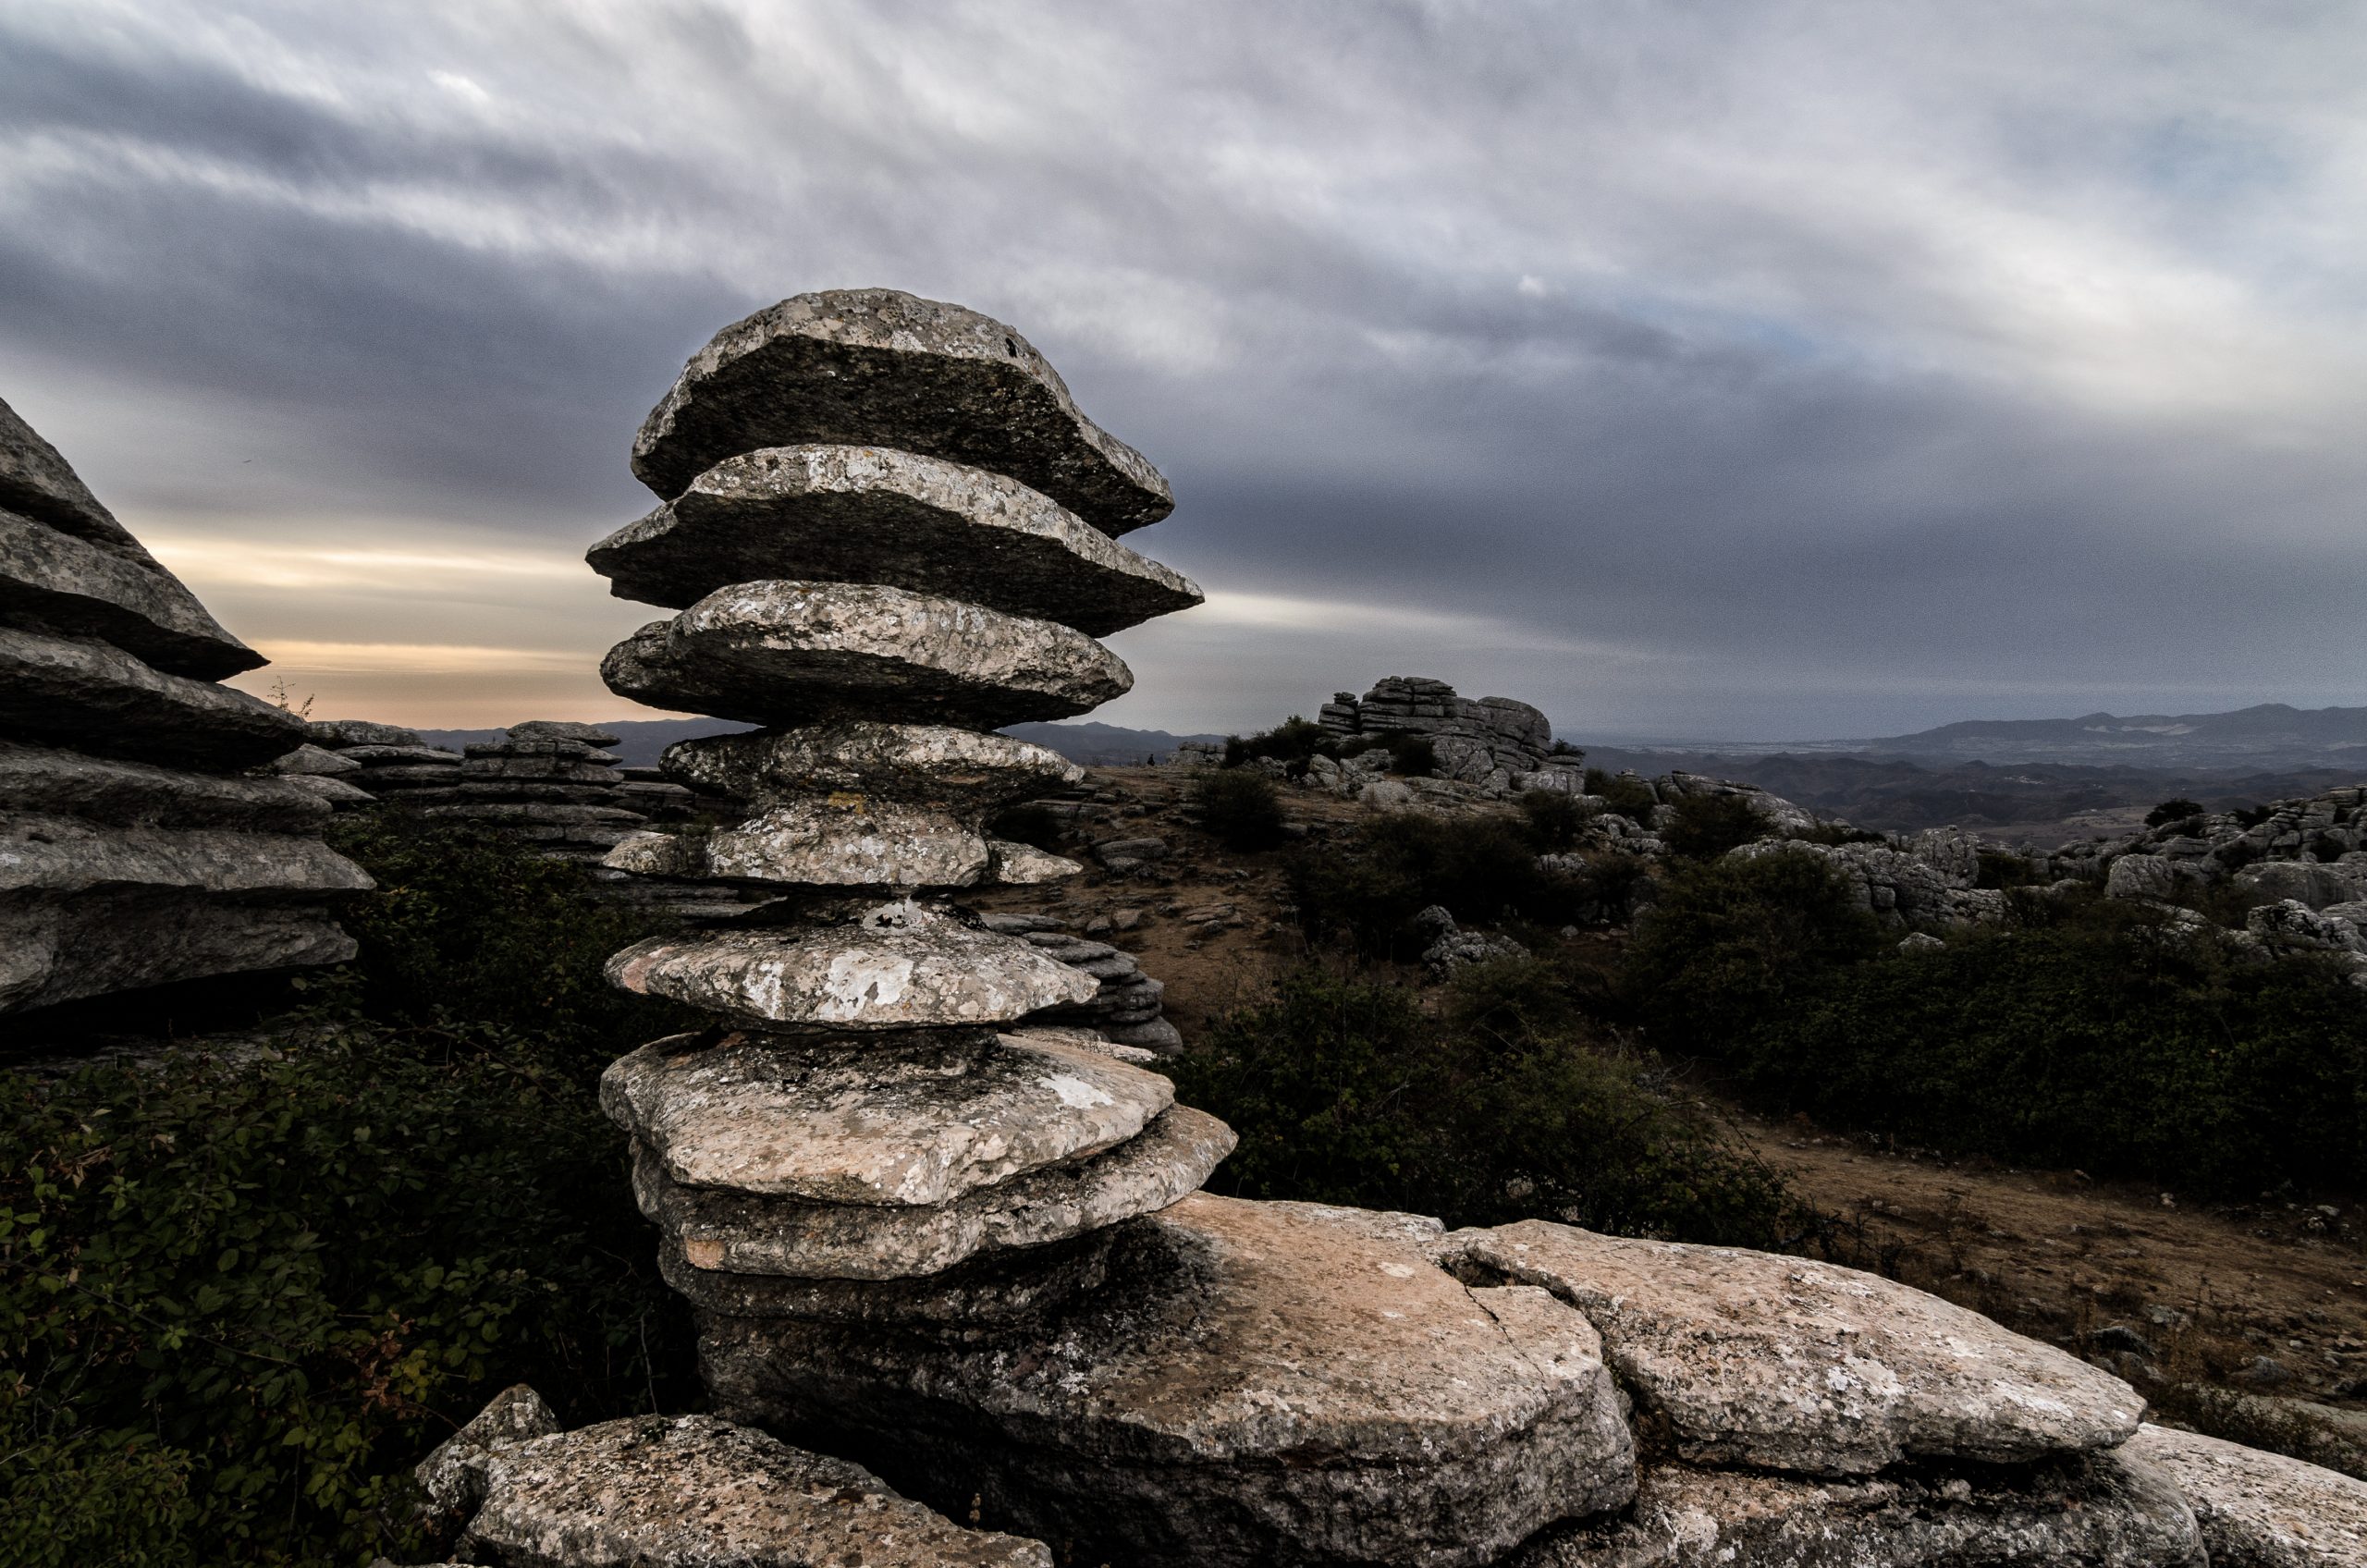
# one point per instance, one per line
(1366, 890)
(1705, 826)
(2171, 811)
(1239, 808)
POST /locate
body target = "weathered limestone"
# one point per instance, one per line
(794, 653)
(900, 967)
(912, 762)
(53, 582)
(88, 694)
(833, 841)
(2260, 1510)
(880, 367)
(133, 853)
(1791, 1365)
(680, 1491)
(729, 1231)
(871, 514)
(1256, 1383)
(336, 734)
(2104, 1512)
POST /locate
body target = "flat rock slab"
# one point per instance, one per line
(315, 760)
(930, 764)
(1791, 1365)
(871, 514)
(2091, 1512)
(978, 1300)
(68, 854)
(95, 697)
(71, 586)
(2260, 1510)
(1254, 1384)
(48, 780)
(340, 733)
(690, 1492)
(59, 948)
(819, 843)
(1024, 864)
(793, 653)
(886, 972)
(735, 1233)
(563, 730)
(36, 479)
(896, 1123)
(880, 367)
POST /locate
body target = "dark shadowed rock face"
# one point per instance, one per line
(36, 479)
(93, 697)
(58, 948)
(2104, 1512)
(1792, 1364)
(126, 794)
(796, 653)
(880, 367)
(1258, 1383)
(51, 581)
(868, 514)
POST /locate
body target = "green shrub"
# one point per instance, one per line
(1295, 740)
(1730, 943)
(468, 923)
(1555, 818)
(2171, 811)
(1366, 890)
(1239, 807)
(1347, 1092)
(237, 1302)
(1705, 826)
(2002, 868)
(1624, 794)
(2096, 1040)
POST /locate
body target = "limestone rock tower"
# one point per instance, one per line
(974, 1259)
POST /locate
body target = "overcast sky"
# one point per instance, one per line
(1687, 369)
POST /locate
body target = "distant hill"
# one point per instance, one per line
(1104, 746)
(2271, 736)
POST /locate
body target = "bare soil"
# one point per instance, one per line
(2169, 1293)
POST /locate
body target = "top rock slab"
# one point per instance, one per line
(1791, 1365)
(880, 367)
(38, 481)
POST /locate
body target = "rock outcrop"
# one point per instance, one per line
(1489, 743)
(135, 849)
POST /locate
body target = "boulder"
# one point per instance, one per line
(729, 1231)
(2304, 882)
(1024, 864)
(340, 733)
(122, 596)
(1750, 1358)
(2100, 1512)
(535, 730)
(314, 760)
(95, 697)
(68, 854)
(821, 843)
(899, 968)
(60, 948)
(1254, 1383)
(922, 1120)
(690, 1492)
(2144, 877)
(109, 790)
(2294, 926)
(794, 653)
(453, 1476)
(959, 768)
(880, 367)
(871, 514)
(2260, 1510)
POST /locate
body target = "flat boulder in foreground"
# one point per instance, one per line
(2260, 1510)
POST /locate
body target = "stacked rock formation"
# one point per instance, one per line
(382, 761)
(134, 850)
(548, 781)
(1489, 743)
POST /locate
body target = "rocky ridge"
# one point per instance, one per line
(136, 848)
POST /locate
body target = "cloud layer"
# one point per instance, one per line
(1716, 370)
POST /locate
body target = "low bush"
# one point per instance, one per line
(1624, 794)
(1554, 817)
(237, 1302)
(1239, 807)
(1295, 742)
(1705, 826)
(1493, 1109)
(1412, 756)
(2170, 811)
(1366, 890)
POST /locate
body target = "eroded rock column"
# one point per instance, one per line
(972, 1257)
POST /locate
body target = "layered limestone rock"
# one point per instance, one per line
(2260, 1510)
(973, 1257)
(1488, 743)
(682, 1492)
(876, 367)
(134, 852)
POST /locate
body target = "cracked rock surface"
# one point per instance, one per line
(69, 585)
(1256, 1383)
(910, 1121)
(1756, 1359)
(882, 367)
(925, 762)
(81, 692)
(872, 514)
(731, 1231)
(792, 653)
(849, 842)
(2260, 1510)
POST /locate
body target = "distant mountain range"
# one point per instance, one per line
(2271, 736)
